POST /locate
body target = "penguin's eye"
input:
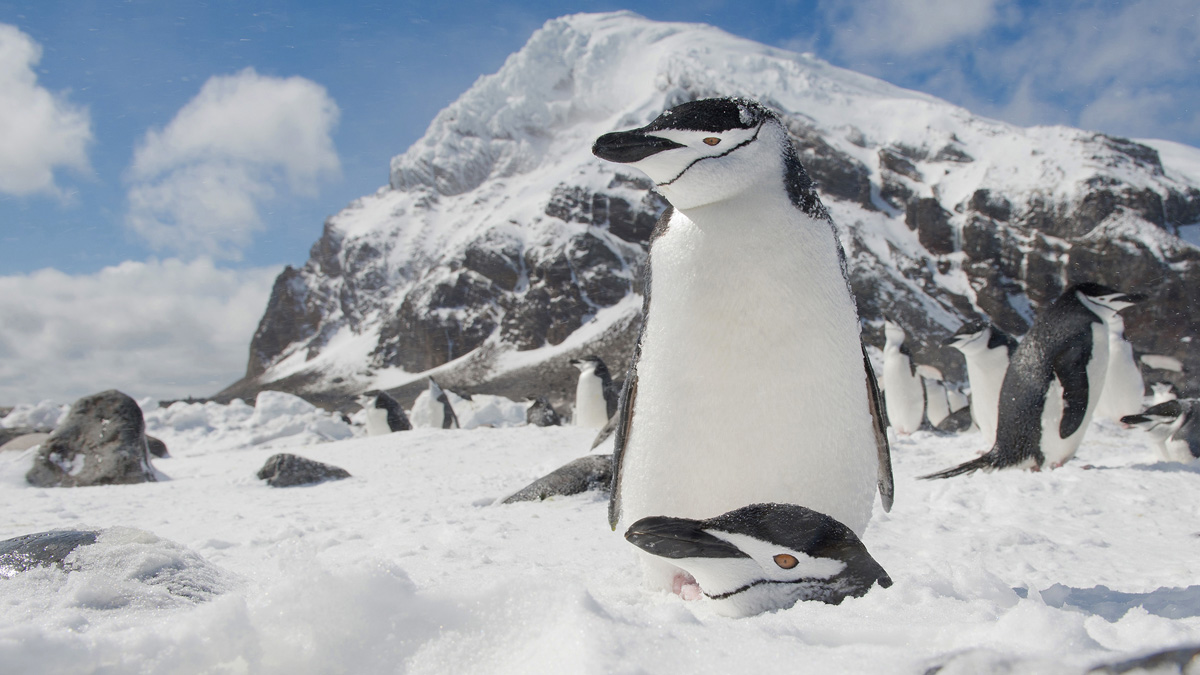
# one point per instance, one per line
(712, 140)
(786, 561)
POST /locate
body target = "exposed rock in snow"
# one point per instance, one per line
(101, 442)
(501, 248)
(288, 470)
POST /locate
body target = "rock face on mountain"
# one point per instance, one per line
(501, 248)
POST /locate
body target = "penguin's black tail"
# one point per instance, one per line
(981, 462)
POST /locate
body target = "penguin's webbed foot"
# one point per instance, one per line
(685, 586)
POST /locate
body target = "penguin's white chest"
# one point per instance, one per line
(591, 410)
(985, 371)
(1123, 385)
(377, 422)
(903, 393)
(1055, 448)
(750, 385)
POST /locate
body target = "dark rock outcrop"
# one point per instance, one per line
(101, 442)
(287, 470)
(9, 433)
(40, 550)
(157, 447)
(590, 472)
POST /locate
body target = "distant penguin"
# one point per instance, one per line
(438, 396)
(1123, 386)
(761, 557)
(937, 404)
(384, 414)
(595, 395)
(749, 382)
(1175, 427)
(903, 392)
(541, 414)
(1053, 383)
(986, 350)
(1161, 392)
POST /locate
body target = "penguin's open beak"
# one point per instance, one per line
(626, 147)
(679, 538)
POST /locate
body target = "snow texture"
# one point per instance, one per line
(410, 567)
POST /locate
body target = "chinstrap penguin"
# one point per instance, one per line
(1123, 385)
(439, 408)
(1053, 382)
(986, 350)
(595, 395)
(761, 557)
(1175, 427)
(903, 391)
(749, 382)
(384, 414)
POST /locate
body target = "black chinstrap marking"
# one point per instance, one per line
(723, 154)
(752, 584)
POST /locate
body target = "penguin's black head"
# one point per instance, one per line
(967, 333)
(702, 151)
(1162, 413)
(1095, 295)
(764, 556)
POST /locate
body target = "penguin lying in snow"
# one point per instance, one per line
(749, 382)
(595, 395)
(1175, 427)
(384, 414)
(761, 557)
(1053, 382)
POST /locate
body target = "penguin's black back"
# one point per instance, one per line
(396, 419)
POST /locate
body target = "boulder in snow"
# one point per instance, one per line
(102, 441)
(40, 550)
(286, 470)
(541, 414)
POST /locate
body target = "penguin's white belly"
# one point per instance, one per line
(903, 393)
(751, 385)
(377, 423)
(1055, 448)
(1123, 385)
(590, 408)
(937, 406)
(986, 373)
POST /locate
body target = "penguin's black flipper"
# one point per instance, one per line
(887, 487)
(981, 462)
(1070, 367)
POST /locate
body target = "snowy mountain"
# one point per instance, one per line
(501, 247)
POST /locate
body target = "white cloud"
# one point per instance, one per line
(39, 131)
(906, 27)
(1122, 68)
(160, 328)
(197, 185)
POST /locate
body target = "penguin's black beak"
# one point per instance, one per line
(679, 538)
(626, 147)
(951, 341)
(1134, 419)
(1132, 297)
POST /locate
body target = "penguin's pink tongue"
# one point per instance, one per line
(684, 585)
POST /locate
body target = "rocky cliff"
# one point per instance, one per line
(501, 248)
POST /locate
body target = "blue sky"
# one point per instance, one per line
(129, 112)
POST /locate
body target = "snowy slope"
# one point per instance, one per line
(499, 232)
(409, 567)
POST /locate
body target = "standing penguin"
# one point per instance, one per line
(749, 383)
(1053, 383)
(435, 408)
(986, 350)
(595, 395)
(384, 414)
(1123, 384)
(1175, 427)
(903, 392)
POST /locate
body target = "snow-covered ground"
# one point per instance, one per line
(409, 566)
